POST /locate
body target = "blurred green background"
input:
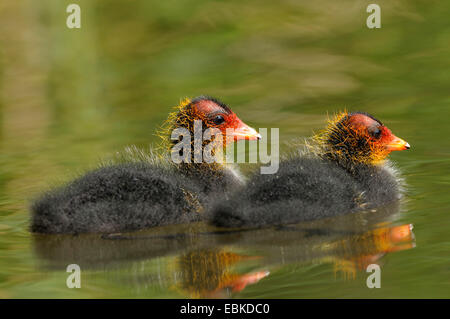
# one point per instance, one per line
(70, 97)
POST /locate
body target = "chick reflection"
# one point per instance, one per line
(209, 273)
(356, 253)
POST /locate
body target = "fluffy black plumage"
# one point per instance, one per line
(125, 197)
(307, 188)
(342, 170)
(111, 199)
(152, 191)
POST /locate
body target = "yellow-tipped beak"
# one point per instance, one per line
(397, 144)
(245, 132)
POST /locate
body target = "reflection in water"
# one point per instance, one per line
(68, 99)
(199, 261)
(207, 273)
(359, 251)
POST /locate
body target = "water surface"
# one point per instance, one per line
(69, 98)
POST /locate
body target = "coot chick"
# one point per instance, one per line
(342, 169)
(146, 192)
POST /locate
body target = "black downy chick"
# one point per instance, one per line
(342, 170)
(142, 194)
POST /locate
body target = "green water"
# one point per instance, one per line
(69, 98)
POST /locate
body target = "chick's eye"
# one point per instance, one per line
(218, 119)
(375, 132)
